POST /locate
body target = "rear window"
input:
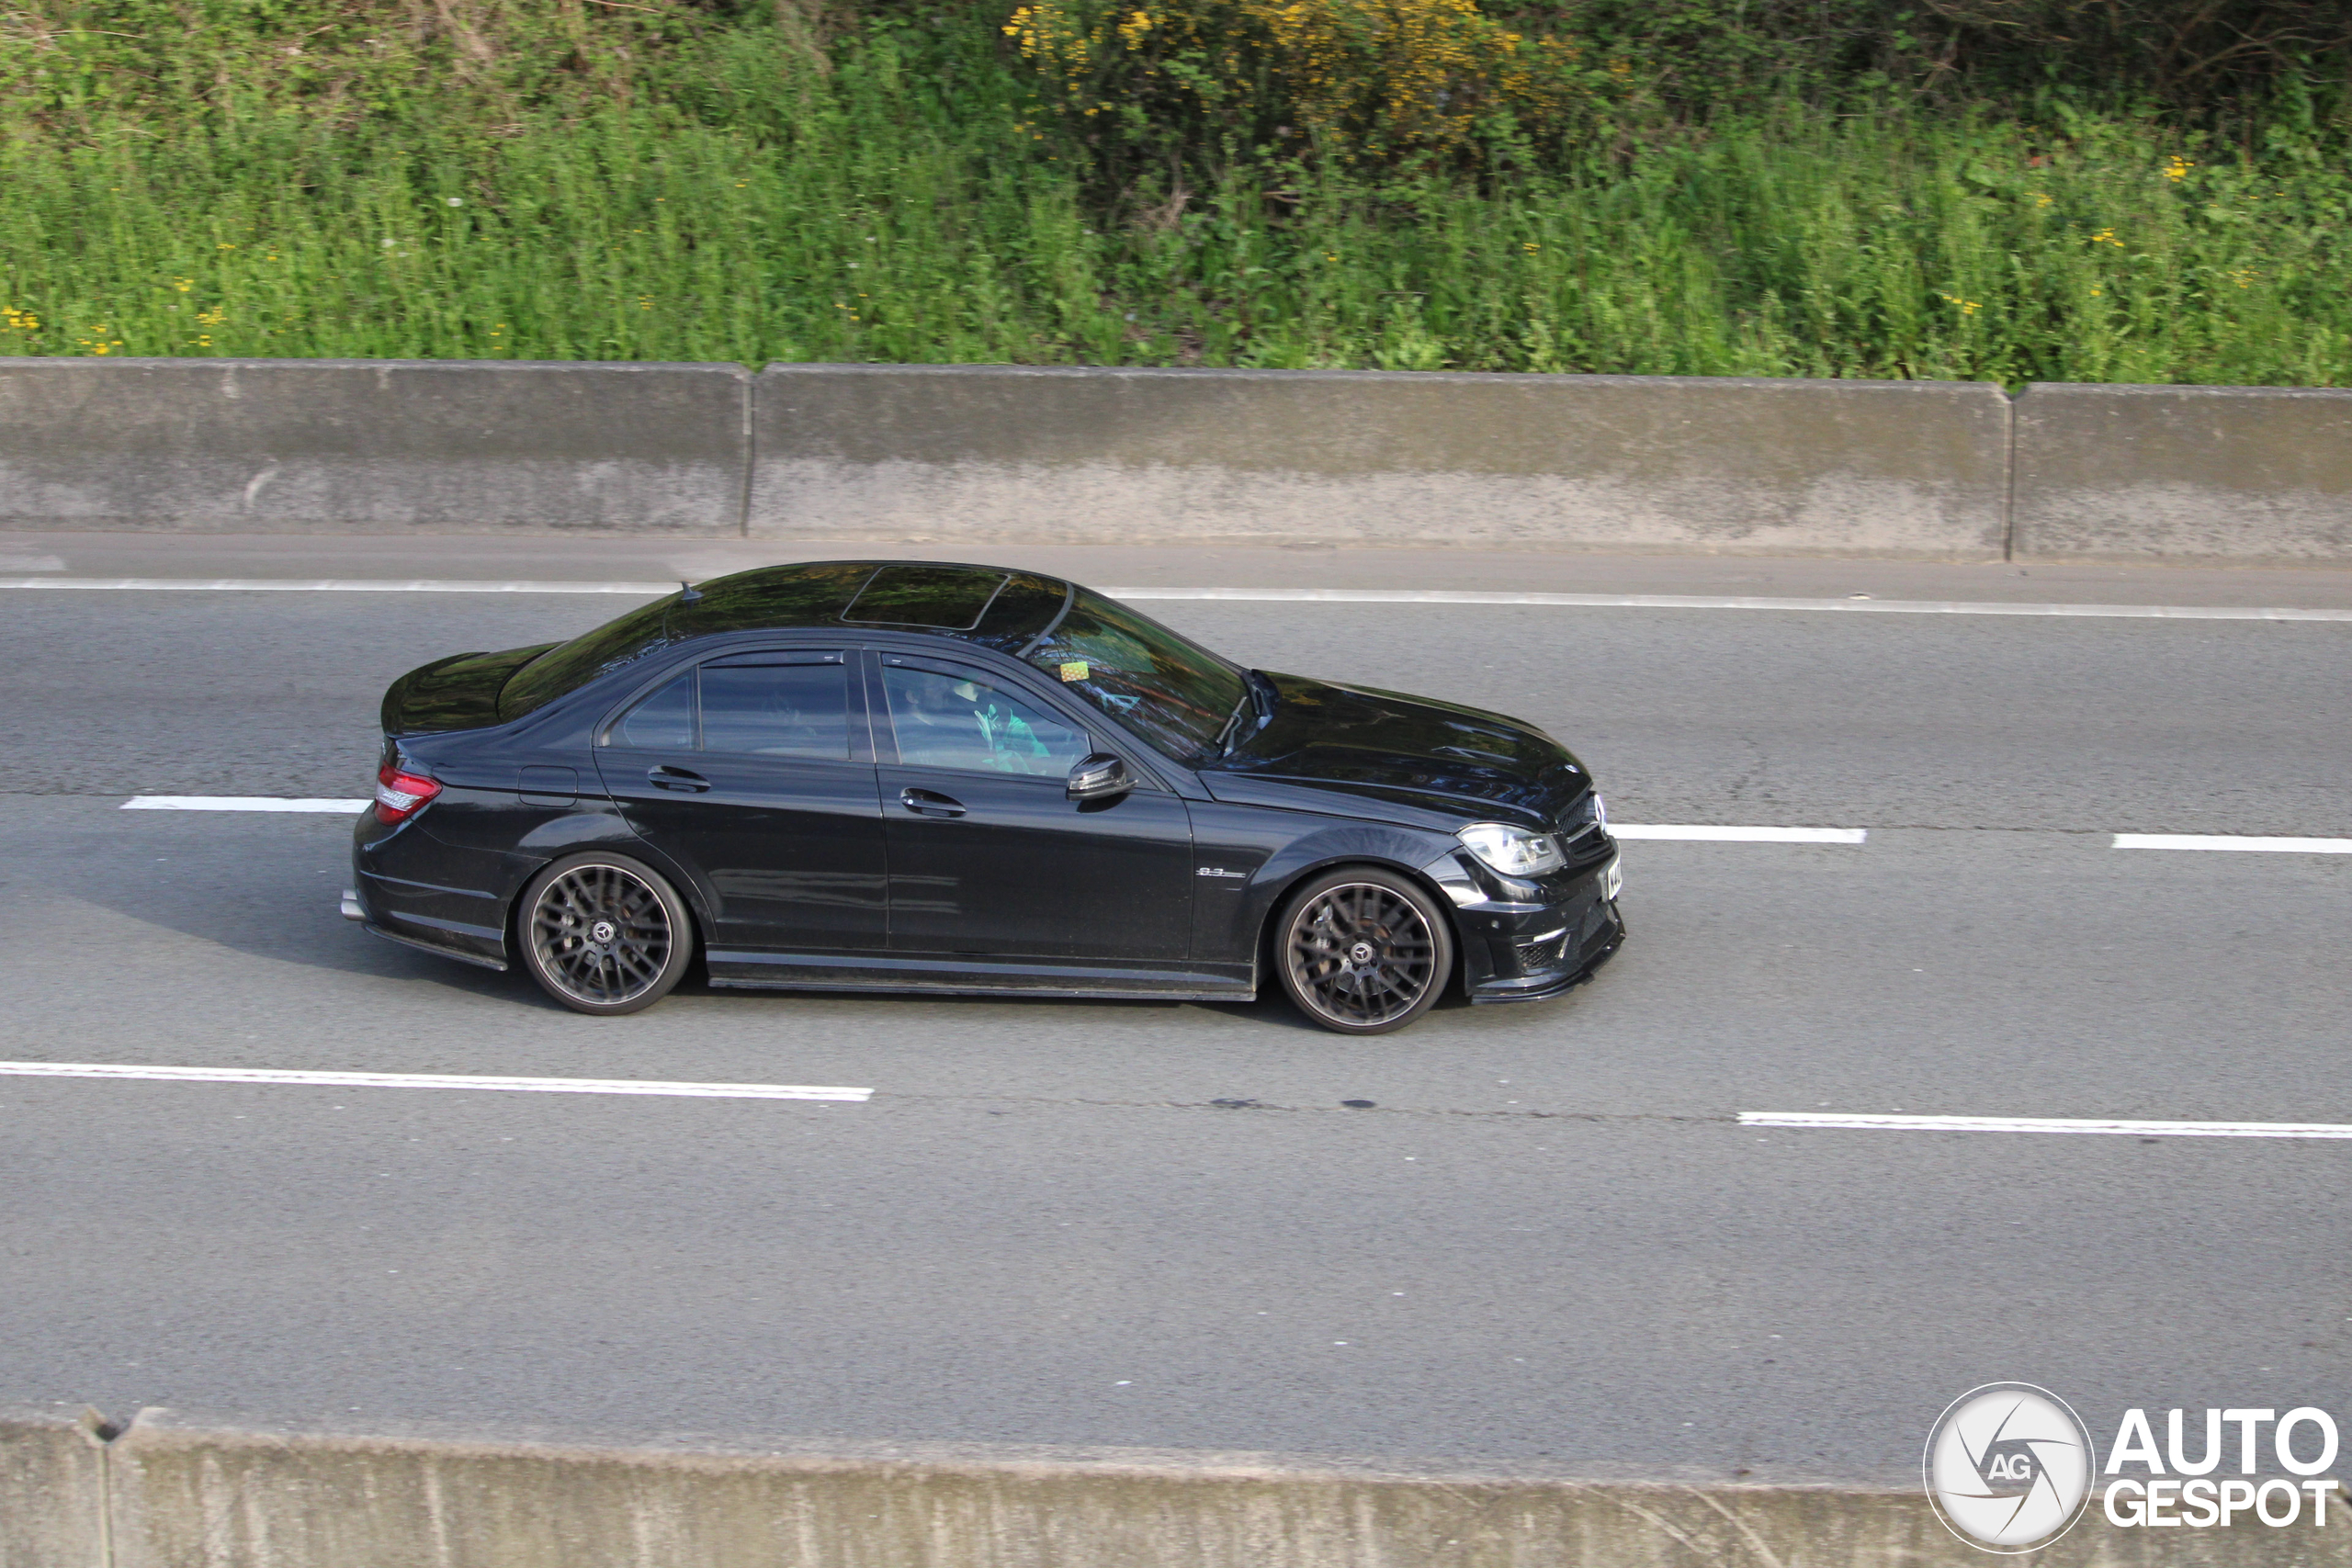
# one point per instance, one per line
(575, 663)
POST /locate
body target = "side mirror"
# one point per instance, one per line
(1100, 777)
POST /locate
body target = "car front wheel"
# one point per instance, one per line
(604, 934)
(1363, 951)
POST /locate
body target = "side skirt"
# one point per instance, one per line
(841, 972)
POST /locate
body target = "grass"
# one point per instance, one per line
(887, 209)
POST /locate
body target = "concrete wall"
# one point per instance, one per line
(370, 445)
(2241, 473)
(987, 455)
(1599, 462)
(52, 1492)
(190, 1495)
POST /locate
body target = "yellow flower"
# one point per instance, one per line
(2177, 167)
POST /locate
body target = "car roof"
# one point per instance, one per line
(996, 606)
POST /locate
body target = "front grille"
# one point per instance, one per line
(1580, 833)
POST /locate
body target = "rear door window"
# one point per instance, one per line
(786, 704)
(664, 721)
(777, 705)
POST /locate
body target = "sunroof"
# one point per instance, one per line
(950, 598)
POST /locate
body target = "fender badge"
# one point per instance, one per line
(1220, 871)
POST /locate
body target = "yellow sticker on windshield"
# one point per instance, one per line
(1075, 670)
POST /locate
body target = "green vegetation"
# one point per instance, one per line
(546, 179)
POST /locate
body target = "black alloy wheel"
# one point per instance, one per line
(604, 934)
(1363, 951)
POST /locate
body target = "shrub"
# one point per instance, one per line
(1360, 81)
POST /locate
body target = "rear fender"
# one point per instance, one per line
(606, 829)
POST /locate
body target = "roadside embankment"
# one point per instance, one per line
(956, 455)
(177, 1492)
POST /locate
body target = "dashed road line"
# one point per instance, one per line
(1701, 834)
(1694, 833)
(329, 585)
(1851, 605)
(2232, 842)
(432, 1080)
(1684, 833)
(239, 803)
(2115, 1127)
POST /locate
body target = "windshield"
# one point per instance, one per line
(1170, 691)
(575, 663)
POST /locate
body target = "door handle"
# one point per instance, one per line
(677, 778)
(929, 803)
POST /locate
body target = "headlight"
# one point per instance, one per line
(1514, 852)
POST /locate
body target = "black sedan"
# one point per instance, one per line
(860, 775)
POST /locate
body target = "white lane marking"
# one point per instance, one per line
(1720, 601)
(1258, 595)
(432, 1080)
(1623, 830)
(1695, 833)
(2046, 1124)
(2232, 842)
(329, 585)
(238, 803)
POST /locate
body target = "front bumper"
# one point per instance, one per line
(1540, 988)
(1531, 940)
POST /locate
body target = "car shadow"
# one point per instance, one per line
(287, 912)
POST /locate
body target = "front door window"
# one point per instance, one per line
(957, 721)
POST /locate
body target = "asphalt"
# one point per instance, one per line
(1547, 1243)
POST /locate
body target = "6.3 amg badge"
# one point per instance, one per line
(2009, 1467)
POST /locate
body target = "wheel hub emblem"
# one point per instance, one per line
(1360, 953)
(603, 931)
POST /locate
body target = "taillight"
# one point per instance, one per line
(399, 796)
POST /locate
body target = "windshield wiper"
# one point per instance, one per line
(1224, 735)
(1257, 695)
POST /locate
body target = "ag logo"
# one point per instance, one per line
(2009, 1467)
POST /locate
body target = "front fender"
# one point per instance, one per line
(1250, 859)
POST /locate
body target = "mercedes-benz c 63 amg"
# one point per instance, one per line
(859, 776)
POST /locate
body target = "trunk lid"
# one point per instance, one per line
(456, 692)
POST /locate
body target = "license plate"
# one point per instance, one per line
(1612, 879)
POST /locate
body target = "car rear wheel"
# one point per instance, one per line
(1363, 951)
(604, 934)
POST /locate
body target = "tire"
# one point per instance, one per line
(1363, 951)
(604, 934)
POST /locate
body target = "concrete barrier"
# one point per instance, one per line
(983, 453)
(977, 456)
(52, 1492)
(190, 1495)
(175, 1491)
(370, 445)
(2242, 475)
